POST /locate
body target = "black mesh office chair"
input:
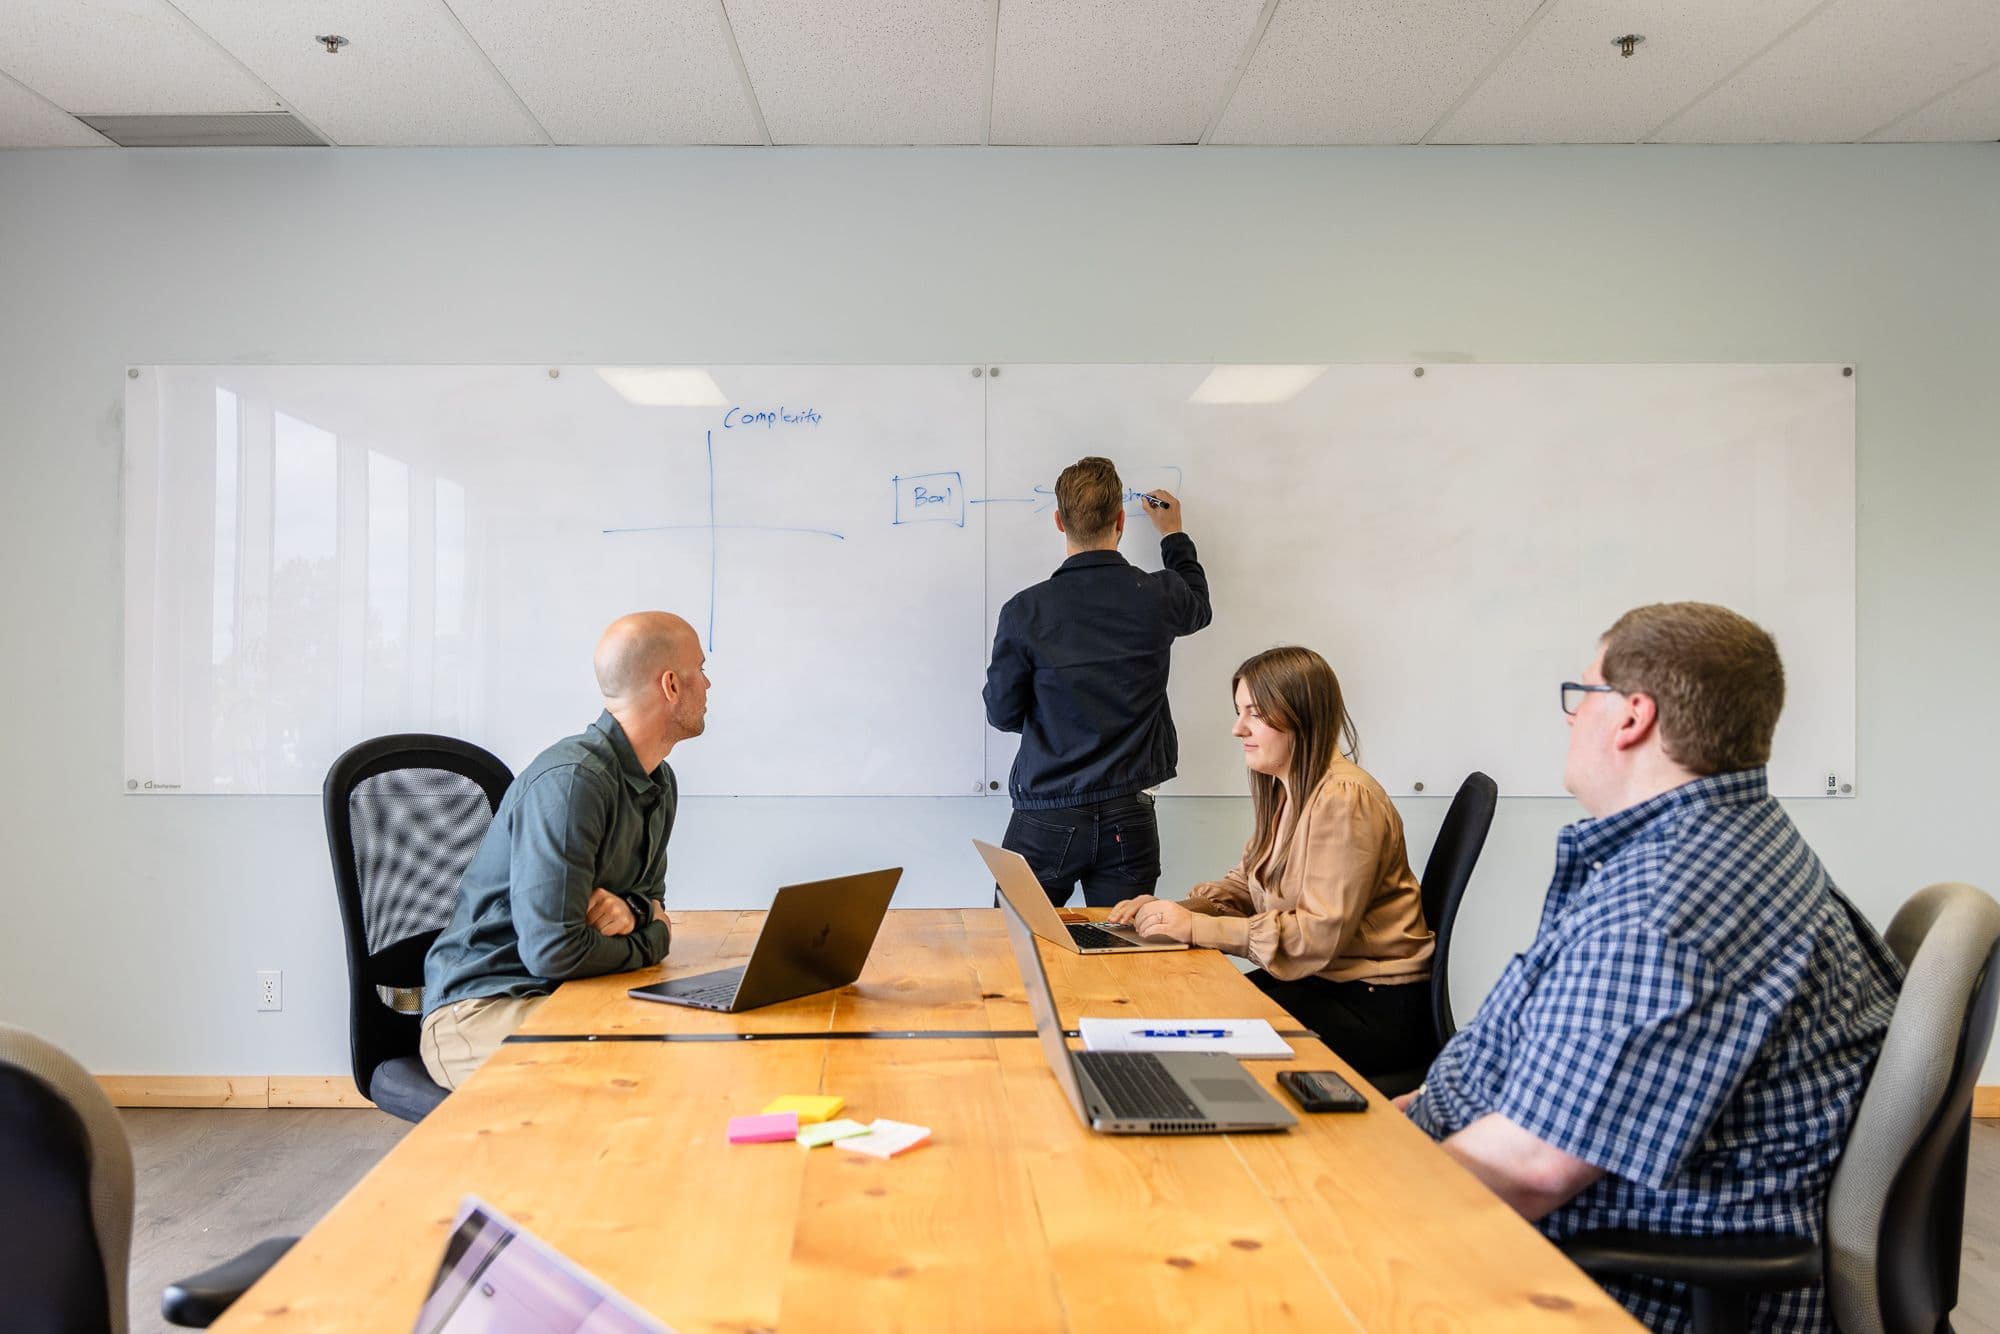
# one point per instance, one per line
(66, 1228)
(1895, 1211)
(1446, 874)
(404, 816)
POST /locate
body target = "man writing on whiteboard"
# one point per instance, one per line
(1683, 1046)
(569, 880)
(1079, 669)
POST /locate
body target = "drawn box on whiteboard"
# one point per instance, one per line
(932, 497)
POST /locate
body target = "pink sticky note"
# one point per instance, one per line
(767, 1129)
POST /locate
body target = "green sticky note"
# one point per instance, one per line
(826, 1132)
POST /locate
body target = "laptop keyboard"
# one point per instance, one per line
(1135, 1085)
(1096, 938)
(717, 990)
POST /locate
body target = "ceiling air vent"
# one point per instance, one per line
(262, 129)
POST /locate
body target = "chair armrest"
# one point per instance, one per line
(196, 1301)
(1753, 1262)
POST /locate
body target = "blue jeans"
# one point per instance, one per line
(1113, 847)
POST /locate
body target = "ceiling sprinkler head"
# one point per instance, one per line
(332, 42)
(1627, 44)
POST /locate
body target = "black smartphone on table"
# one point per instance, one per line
(1321, 1091)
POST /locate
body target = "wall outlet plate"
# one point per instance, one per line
(270, 989)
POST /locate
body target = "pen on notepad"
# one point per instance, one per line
(1180, 1033)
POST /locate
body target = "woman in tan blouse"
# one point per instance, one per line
(1323, 899)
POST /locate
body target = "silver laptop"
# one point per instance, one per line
(1019, 887)
(1141, 1092)
(816, 937)
(498, 1278)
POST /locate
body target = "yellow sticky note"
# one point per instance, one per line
(811, 1107)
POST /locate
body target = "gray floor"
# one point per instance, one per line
(211, 1183)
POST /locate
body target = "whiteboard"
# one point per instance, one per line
(1455, 541)
(317, 554)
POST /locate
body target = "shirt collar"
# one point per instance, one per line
(628, 762)
(1084, 560)
(1596, 840)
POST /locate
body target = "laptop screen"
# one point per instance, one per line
(1041, 1000)
(496, 1278)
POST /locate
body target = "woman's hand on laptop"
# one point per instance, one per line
(1123, 912)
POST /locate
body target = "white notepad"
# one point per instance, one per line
(1233, 1037)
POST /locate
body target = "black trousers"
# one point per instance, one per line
(1377, 1030)
(1113, 847)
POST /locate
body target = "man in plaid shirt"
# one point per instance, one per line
(1683, 1046)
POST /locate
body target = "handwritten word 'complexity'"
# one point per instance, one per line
(740, 417)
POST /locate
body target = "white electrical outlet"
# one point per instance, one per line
(270, 989)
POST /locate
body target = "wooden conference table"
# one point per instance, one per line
(601, 1128)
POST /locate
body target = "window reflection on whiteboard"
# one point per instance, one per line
(496, 1278)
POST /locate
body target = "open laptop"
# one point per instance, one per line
(816, 937)
(1019, 887)
(1141, 1092)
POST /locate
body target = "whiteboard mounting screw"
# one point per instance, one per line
(978, 371)
(992, 372)
(1627, 44)
(332, 42)
(1418, 787)
(132, 374)
(1847, 788)
(1847, 370)
(555, 373)
(1418, 372)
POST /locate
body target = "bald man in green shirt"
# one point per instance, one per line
(569, 880)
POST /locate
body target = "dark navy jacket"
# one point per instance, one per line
(1080, 671)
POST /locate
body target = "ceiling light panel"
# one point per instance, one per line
(409, 74)
(1365, 71)
(122, 57)
(868, 71)
(1567, 84)
(618, 71)
(1115, 71)
(1851, 69)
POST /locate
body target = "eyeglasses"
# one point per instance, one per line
(1574, 691)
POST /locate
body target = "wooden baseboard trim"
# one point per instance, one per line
(258, 1091)
(1986, 1100)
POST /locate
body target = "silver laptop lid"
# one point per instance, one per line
(1019, 887)
(1042, 1001)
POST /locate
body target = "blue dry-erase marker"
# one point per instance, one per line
(1154, 501)
(1181, 1033)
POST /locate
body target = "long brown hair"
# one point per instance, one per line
(1295, 691)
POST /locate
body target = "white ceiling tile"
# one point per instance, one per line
(409, 75)
(28, 120)
(1567, 84)
(122, 57)
(1365, 71)
(1847, 72)
(868, 71)
(1968, 113)
(618, 71)
(1115, 71)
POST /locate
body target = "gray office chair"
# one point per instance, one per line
(1896, 1206)
(66, 1231)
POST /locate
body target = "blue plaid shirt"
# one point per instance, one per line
(1697, 1016)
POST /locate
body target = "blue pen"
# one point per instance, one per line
(1180, 1033)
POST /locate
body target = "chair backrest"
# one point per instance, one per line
(1446, 875)
(404, 816)
(1896, 1206)
(66, 1228)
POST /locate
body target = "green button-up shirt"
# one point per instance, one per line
(584, 815)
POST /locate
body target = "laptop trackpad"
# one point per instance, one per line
(1226, 1090)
